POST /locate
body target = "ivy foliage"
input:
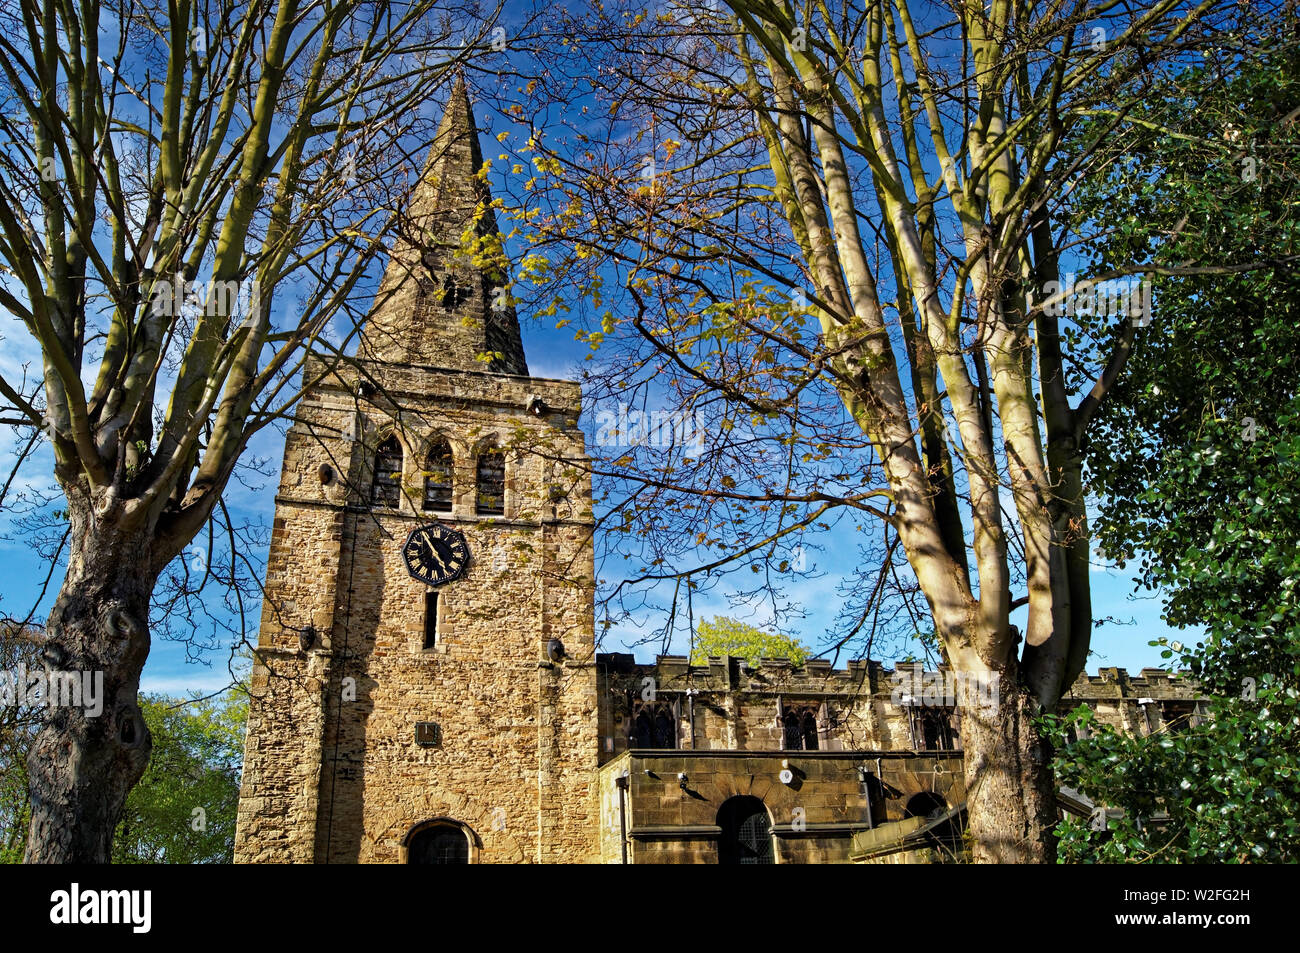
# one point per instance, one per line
(1196, 462)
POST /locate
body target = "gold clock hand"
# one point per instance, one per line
(432, 552)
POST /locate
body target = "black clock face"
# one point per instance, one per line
(435, 554)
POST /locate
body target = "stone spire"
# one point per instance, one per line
(438, 305)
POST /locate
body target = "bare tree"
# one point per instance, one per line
(194, 197)
(828, 230)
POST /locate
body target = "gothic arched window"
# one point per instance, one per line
(932, 729)
(438, 478)
(654, 725)
(491, 483)
(799, 728)
(386, 489)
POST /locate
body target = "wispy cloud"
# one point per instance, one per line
(184, 684)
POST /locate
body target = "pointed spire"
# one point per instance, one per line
(435, 305)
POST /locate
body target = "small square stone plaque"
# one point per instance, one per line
(428, 734)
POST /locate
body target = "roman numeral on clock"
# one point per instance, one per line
(435, 554)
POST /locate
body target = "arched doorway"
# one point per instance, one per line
(925, 804)
(438, 843)
(931, 806)
(746, 836)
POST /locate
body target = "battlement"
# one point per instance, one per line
(674, 673)
(1152, 682)
(729, 673)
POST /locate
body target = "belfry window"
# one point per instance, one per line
(799, 728)
(438, 479)
(491, 483)
(454, 295)
(386, 490)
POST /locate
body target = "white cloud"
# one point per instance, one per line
(178, 685)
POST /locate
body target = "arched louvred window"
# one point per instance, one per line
(491, 483)
(386, 489)
(453, 294)
(438, 479)
(438, 844)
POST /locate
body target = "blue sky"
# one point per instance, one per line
(551, 353)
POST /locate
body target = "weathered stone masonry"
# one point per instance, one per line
(333, 772)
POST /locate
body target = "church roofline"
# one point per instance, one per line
(816, 676)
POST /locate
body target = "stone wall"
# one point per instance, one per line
(333, 772)
(812, 816)
(727, 705)
(1153, 701)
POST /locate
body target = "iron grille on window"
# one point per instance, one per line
(386, 490)
(746, 836)
(442, 844)
(492, 483)
(437, 479)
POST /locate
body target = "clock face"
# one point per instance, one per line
(435, 554)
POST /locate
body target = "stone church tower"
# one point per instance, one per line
(425, 686)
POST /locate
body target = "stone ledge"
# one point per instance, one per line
(677, 832)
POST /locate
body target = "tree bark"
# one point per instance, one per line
(82, 765)
(1010, 790)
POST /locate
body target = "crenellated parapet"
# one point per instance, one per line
(729, 704)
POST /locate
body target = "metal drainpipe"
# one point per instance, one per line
(621, 782)
(865, 777)
(880, 775)
(690, 713)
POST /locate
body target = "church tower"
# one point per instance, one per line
(424, 688)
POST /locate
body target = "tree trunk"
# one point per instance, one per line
(1010, 790)
(83, 763)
